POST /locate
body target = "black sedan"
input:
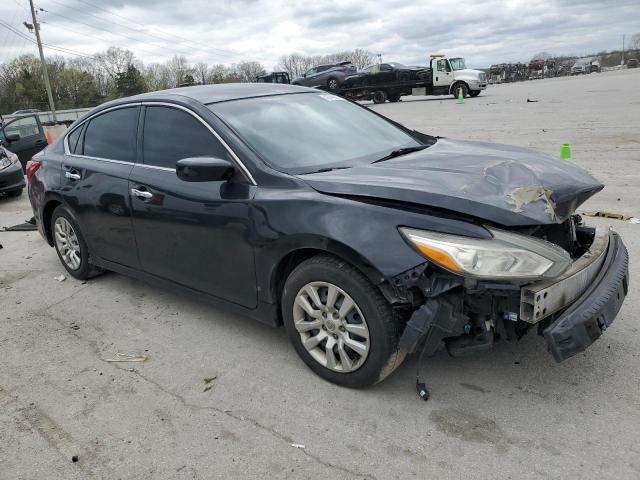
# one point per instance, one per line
(366, 239)
(11, 175)
(384, 73)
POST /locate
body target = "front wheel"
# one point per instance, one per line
(474, 93)
(339, 323)
(457, 88)
(332, 84)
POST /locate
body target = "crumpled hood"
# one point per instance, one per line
(506, 185)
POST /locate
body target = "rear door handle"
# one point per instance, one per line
(141, 193)
(72, 176)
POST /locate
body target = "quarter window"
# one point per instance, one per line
(73, 140)
(171, 134)
(113, 135)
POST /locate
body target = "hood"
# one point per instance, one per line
(469, 72)
(505, 185)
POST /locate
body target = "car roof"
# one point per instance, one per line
(207, 94)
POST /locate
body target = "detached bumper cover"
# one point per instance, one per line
(585, 320)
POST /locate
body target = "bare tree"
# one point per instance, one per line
(115, 61)
(201, 72)
(295, 64)
(248, 71)
(177, 70)
(635, 41)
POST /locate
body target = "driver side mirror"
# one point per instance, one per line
(204, 169)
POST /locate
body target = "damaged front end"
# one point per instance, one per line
(573, 300)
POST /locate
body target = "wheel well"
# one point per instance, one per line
(291, 261)
(47, 211)
(454, 85)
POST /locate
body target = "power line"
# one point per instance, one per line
(171, 35)
(49, 46)
(129, 37)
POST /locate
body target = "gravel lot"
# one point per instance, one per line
(508, 413)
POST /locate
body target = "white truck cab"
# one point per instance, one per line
(450, 74)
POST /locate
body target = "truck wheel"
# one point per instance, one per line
(332, 84)
(394, 97)
(458, 86)
(474, 93)
(340, 323)
(379, 96)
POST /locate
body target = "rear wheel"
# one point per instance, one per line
(71, 246)
(379, 96)
(339, 323)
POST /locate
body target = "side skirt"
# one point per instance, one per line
(264, 312)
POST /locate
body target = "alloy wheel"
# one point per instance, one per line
(331, 327)
(67, 243)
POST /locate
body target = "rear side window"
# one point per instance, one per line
(171, 134)
(113, 135)
(73, 140)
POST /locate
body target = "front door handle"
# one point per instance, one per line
(72, 176)
(141, 193)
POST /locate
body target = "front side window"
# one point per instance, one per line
(112, 135)
(457, 63)
(302, 133)
(25, 127)
(310, 72)
(171, 134)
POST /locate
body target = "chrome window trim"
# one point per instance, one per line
(235, 158)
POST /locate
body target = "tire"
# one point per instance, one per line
(458, 86)
(379, 96)
(66, 232)
(15, 193)
(333, 84)
(474, 93)
(370, 312)
(394, 97)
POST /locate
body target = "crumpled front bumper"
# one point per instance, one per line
(594, 310)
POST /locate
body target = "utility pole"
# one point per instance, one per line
(622, 58)
(36, 26)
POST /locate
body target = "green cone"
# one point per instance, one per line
(565, 152)
(460, 96)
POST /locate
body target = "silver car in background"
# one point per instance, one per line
(330, 76)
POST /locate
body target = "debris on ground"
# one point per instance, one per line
(613, 215)
(73, 326)
(126, 357)
(298, 445)
(27, 226)
(60, 278)
(531, 101)
(74, 458)
(207, 382)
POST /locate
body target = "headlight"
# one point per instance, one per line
(8, 161)
(505, 256)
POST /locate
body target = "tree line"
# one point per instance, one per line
(116, 72)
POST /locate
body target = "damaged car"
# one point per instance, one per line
(367, 240)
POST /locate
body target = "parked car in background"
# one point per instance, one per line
(579, 69)
(632, 63)
(11, 174)
(24, 136)
(330, 76)
(366, 239)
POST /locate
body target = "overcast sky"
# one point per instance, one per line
(483, 31)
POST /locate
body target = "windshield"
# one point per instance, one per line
(303, 133)
(457, 63)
